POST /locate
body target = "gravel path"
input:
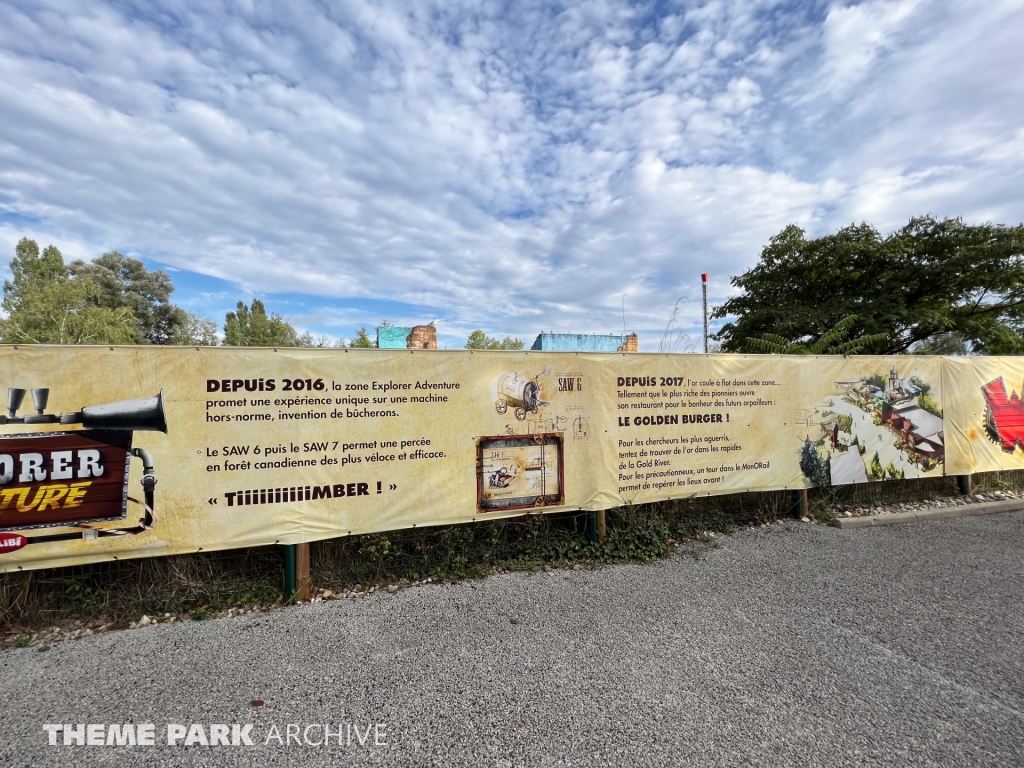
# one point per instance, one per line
(794, 645)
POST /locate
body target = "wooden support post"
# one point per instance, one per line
(602, 526)
(804, 504)
(302, 580)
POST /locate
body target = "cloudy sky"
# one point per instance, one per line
(515, 167)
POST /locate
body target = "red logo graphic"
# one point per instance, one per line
(11, 542)
(1004, 415)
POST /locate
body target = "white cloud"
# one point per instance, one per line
(516, 171)
(856, 36)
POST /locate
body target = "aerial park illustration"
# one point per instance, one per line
(872, 429)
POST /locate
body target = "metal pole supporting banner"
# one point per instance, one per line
(289, 571)
(965, 485)
(798, 501)
(704, 292)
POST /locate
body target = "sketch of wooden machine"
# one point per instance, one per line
(580, 428)
(522, 394)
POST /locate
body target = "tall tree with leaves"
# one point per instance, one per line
(195, 331)
(948, 343)
(929, 278)
(814, 466)
(480, 340)
(45, 304)
(251, 326)
(125, 282)
(30, 269)
(362, 340)
(834, 342)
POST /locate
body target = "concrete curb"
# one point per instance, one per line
(919, 516)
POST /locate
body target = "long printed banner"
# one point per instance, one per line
(138, 451)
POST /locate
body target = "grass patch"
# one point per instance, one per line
(120, 591)
(640, 533)
(197, 586)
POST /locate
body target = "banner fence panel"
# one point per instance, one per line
(241, 447)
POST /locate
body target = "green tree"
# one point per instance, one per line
(251, 326)
(362, 340)
(196, 331)
(814, 466)
(125, 282)
(875, 380)
(320, 341)
(480, 340)
(834, 342)
(46, 305)
(925, 403)
(921, 384)
(29, 270)
(948, 343)
(931, 277)
(876, 468)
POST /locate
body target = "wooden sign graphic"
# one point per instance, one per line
(63, 478)
(520, 471)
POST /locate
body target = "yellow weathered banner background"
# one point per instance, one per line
(748, 421)
(984, 416)
(357, 441)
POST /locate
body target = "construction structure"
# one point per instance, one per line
(398, 337)
(586, 342)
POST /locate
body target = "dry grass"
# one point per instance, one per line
(120, 591)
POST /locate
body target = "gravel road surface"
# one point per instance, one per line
(793, 645)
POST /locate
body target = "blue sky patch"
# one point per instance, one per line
(510, 167)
